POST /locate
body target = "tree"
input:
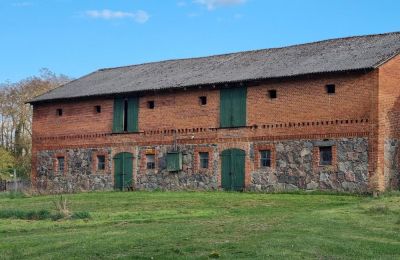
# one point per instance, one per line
(7, 162)
(16, 115)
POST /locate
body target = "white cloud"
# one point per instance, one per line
(139, 16)
(212, 4)
(181, 3)
(22, 4)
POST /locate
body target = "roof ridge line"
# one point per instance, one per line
(248, 51)
(62, 85)
(386, 59)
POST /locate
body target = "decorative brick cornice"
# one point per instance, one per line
(270, 138)
(172, 132)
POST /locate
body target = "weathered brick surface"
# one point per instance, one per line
(301, 100)
(388, 127)
(364, 106)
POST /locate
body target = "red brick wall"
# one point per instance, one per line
(303, 110)
(388, 114)
(179, 109)
(78, 117)
(307, 100)
(389, 98)
(298, 100)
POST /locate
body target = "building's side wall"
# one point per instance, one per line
(179, 109)
(299, 100)
(80, 170)
(297, 167)
(389, 124)
(302, 115)
(78, 118)
(307, 100)
(294, 166)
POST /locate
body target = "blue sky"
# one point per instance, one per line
(76, 37)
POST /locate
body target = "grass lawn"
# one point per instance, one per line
(180, 225)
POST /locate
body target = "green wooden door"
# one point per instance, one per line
(126, 113)
(233, 169)
(233, 107)
(118, 120)
(225, 108)
(133, 111)
(123, 171)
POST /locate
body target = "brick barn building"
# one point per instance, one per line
(322, 115)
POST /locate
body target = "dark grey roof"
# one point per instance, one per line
(344, 54)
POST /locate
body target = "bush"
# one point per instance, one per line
(7, 162)
(15, 195)
(80, 215)
(39, 214)
(379, 209)
(61, 205)
(28, 215)
(57, 216)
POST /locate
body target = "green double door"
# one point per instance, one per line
(123, 163)
(233, 169)
(233, 107)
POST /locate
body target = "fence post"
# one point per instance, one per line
(15, 181)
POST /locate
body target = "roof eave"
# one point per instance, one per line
(364, 70)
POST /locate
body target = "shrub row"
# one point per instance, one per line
(39, 214)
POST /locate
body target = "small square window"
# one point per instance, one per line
(272, 93)
(203, 156)
(203, 100)
(150, 161)
(97, 109)
(150, 104)
(60, 164)
(59, 112)
(101, 162)
(330, 88)
(325, 155)
(265, 158)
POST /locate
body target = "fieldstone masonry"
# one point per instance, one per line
(78, 175)
(294, 168)
(188, 178)
(391, 168)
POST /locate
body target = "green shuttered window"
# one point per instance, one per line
(126, 112)
(133, 109)
(233, 107)
(174, 161)
(118, 121)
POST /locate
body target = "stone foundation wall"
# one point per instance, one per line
(295, 166)
(391, 164)
(79, 174)
(191, 177)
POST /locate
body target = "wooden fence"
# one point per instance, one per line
(18, 185)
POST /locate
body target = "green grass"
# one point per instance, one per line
(202, 225)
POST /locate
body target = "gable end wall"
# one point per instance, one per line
(389, 125)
